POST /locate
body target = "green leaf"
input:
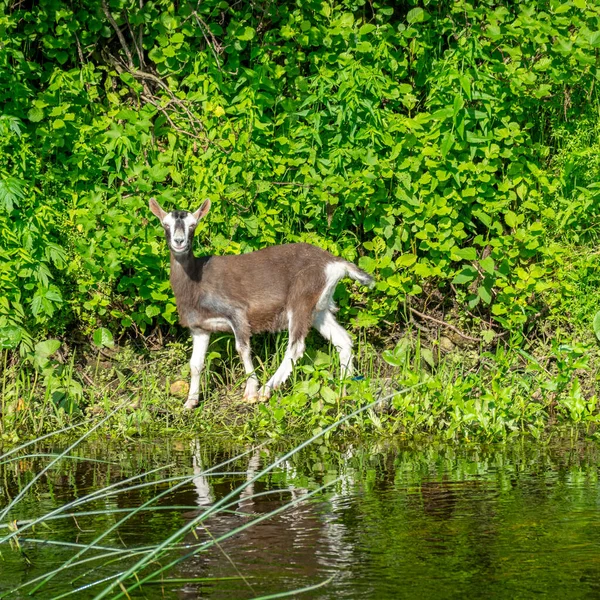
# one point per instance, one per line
(593, 38)
(447, 143)
(467, 275)
(596, 324)
(12, 190)
(367, 263)
(152, 310)
(10, 336)
(263, 186)
(309, 387)
(365, 319)
(46, 348)
(156, 55)
(330, 396)
(427, 356)
(415, 15)
(245, 34)
(397, 356)
(406, 260)
(347, 19)
(103, 338)
(488, 265)
(511, 219)
(464, 254)
(366, 29)
(484, 294)
(35, 114)
(488, 335)
(159, 173)
(465, 83)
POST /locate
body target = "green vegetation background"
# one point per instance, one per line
(449, 148)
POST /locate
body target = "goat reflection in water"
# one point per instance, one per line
(288, 287)
(298, 546)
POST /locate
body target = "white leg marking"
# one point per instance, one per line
(292, 354)
(325, 323)
(251, 389)
(200, 341)
(246, 501)
(203, 489)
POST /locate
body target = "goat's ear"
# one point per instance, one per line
(157, 210)
(201, 212)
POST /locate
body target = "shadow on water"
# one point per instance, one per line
(398, 522)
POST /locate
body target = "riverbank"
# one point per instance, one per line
(457, 390)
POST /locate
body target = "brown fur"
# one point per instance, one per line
(254, 291)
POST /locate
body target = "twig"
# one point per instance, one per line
(79, 50)
(145, 75)
(118, 32)
(194, 121)
(140, 36)
(304, 185)
(88, 379)
(163, 110)
(455, 329)
(138, 48)
(121, 68)
(214, 47)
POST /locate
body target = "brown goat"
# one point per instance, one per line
(281, 287)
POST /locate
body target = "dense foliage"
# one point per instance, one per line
(432, 144)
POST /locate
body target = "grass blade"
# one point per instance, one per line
(183, 530)
(22, 493)
(309, 588)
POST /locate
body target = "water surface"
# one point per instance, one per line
(398, 522)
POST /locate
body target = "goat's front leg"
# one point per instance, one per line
(200, 340)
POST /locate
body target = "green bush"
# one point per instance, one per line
(422, 142)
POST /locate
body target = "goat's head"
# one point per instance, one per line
(179, 225)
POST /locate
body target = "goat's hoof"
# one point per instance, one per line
(264, 393)
(250, 397)
(250, 391)
(191, 403)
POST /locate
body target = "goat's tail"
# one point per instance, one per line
(359, 275)
(335, 271)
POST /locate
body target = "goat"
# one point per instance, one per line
(280, 287)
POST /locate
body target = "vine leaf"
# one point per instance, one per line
(596, 325)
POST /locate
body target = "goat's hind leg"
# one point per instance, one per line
(325, 323)
(200, 340)
(294, 352)
(242, 345)
(298, 328)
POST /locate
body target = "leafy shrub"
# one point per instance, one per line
(416, 141)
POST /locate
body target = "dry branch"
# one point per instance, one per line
(182, 110)
(444, 324)
(118, 32)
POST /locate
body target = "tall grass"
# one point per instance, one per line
(470, 393)
(141, 569)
